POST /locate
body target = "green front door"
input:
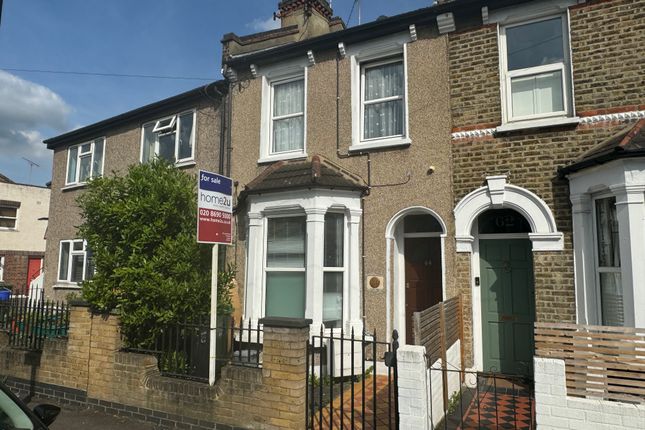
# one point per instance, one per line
(508, 305)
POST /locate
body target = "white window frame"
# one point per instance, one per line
(597, 269)
(377, 52)
(15, 219)
(72, 253)
(2, 268)
(166, 125)
(564, 67)
(275, 75)
(313, 204)
(274, 118)
(340, 269)
(369, 65)
(79, 155)
(265, 254)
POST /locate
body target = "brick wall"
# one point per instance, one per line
(90, 369)
(474, 79)
(15, 267)
(607, 39)
(555, 410)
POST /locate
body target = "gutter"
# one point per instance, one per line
(584, 164)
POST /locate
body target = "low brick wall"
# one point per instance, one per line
(555, 410)
(90, 369)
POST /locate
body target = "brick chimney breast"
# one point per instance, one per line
(313, 17)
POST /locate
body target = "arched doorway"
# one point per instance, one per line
(415, 246)
(538, 226)
(507, 291)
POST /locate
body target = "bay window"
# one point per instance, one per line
(171, 138)
(535, 69)
(85, 161)
(333, 270)
(285, 267)
(75, 261)
(608, 270)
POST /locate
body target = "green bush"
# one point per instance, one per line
(141, 230)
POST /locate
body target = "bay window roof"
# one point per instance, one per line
(314, 172)
(629, 142)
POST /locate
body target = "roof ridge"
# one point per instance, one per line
(351, 175)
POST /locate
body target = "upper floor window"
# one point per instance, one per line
(283, 128)
(382, 99)
(288, 116)
(85, 161)
(171, 138)
(535, 69)
(8, 214)
(75, 261)
(379, 93)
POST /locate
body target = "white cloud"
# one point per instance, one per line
(26, 109)
(259, 24)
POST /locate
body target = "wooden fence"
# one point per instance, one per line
(438, 328)
(601, 362)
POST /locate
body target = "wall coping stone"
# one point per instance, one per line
(283, 322)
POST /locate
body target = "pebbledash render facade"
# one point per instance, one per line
(189, 125)
(326, 204)
(501, 103)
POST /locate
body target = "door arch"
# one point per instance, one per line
(498, 194)
(415, 266)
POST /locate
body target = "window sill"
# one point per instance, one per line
(66, 286)
(280, 157)
(74, 186)
(537, 123)
(6, 229)
(381, 144)
(185, 163)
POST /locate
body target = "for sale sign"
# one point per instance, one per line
(215, 206)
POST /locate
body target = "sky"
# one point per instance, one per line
(175, 38)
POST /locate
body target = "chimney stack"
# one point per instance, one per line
(313, 17)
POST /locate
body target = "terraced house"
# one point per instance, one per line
(184, 129)
(388, 166)
(341, 150)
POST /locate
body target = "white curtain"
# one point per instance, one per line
(148, 143)
(385, 118)
(537, 94)
(288, 114)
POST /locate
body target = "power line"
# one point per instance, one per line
(113, 75)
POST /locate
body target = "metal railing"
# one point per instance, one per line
(347, 385)
(182, 349)
(483, 400)
(29, 322)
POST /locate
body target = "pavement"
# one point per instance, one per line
(77, 418)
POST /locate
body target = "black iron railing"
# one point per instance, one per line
(30, 322)
(482, 400)
(351, 381)
(183, 349)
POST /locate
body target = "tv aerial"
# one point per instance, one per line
(31, 166)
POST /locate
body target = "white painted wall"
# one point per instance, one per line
(555, 410)
(421, 389)
(29, 234)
